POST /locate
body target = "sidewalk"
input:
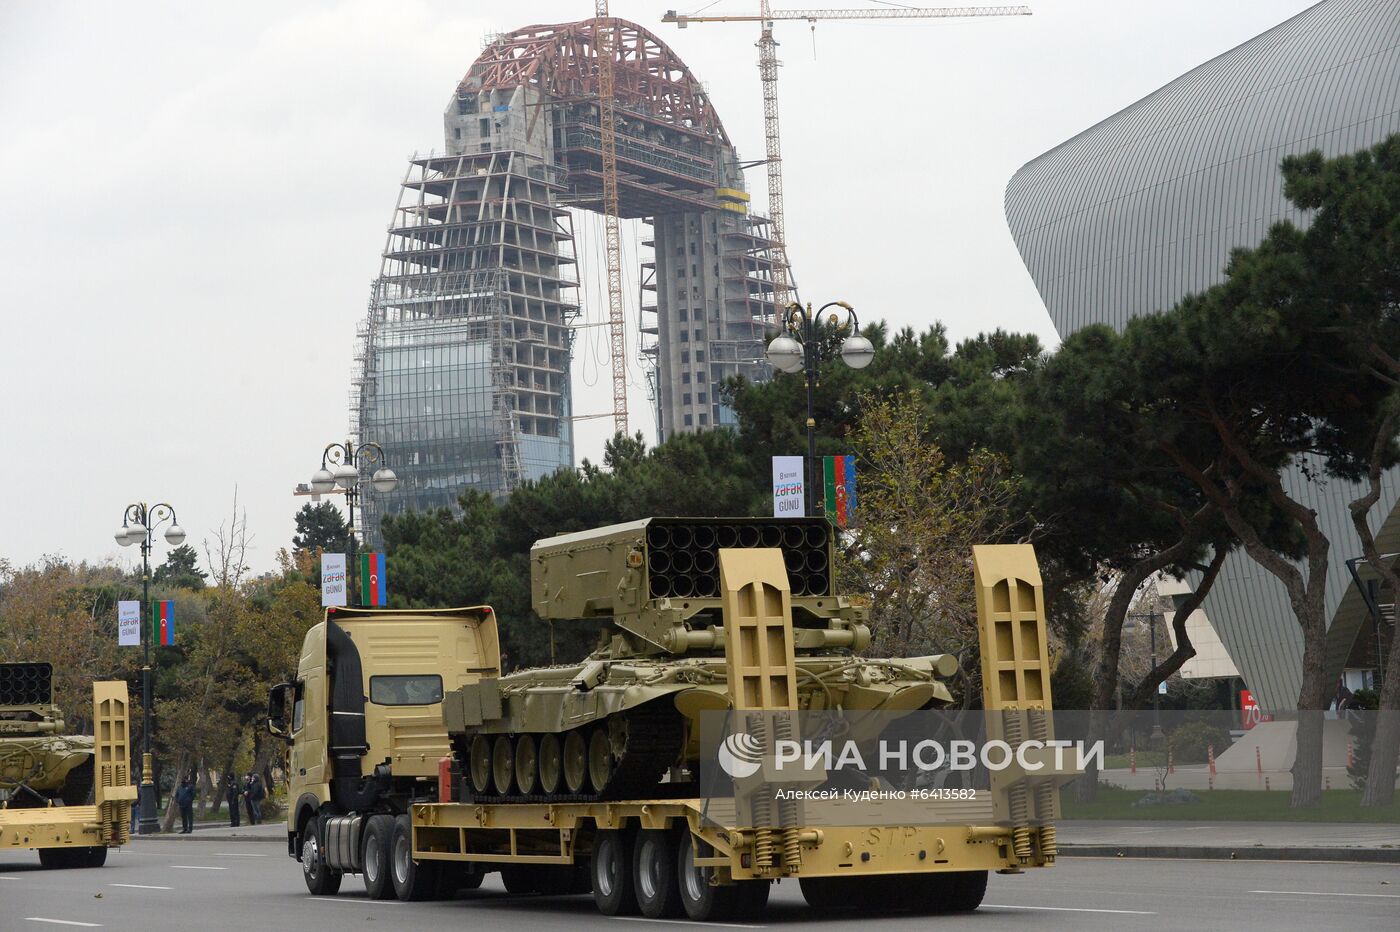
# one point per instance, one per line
(1268, 841)
(207, 831)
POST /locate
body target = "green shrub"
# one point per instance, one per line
(1190, 741)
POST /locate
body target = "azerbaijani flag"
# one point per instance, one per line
(374, 586)
(163, 622)
(840, 475)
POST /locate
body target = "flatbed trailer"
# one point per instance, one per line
(79, 836)
(690, 855)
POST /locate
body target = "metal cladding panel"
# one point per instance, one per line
(1142, 209)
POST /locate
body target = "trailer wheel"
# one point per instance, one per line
(321, 879)
(520, 879)
(55, 858)
(611, 866)
(833, 894)
(654, 874)
(90, 857)
(752, 898)
(379, 831)
(965, 890)
(412, 880)
(703, 900)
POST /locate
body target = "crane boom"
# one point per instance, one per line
(604, 41)
(768, 73)
(938, 12)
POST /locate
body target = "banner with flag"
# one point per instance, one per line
(163, 622)
(840, 475)
(374, 587)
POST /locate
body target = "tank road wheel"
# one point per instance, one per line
(480, 765)
(503, 764)
(412, 881)
(551, 763)
(379, 831)
(654, 874)
(600, 758)
(526, 765)
(703, 901)
(321, 879)
(611, 866)
(575, 762)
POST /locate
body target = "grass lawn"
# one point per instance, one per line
(1145, 759)
(1228, 806)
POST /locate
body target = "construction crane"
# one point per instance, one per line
(604, 40)
(768, 74)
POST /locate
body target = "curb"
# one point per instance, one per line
(177, 837)
(1223, 853)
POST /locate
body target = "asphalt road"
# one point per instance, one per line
(218, 884)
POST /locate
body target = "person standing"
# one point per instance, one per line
(184, 798)
(250, 798)
(232, 793)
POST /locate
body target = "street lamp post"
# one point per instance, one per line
(340, 466)
(138, 523)
(798, 349)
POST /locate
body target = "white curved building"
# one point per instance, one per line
(1134, 213)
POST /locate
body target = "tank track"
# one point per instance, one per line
(654, 740)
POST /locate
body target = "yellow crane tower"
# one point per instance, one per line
(768, 73)
(604, 42)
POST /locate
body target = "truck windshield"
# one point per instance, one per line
(424, 689)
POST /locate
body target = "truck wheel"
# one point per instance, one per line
(654, 874)
(703, 901)
(412, 880)
(611, 866)
(379, 831)
(321, 879)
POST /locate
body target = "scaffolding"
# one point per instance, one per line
(463, 360)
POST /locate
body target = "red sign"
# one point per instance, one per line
(1250, 715)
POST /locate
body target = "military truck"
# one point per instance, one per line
(415, 763)
(69, 796)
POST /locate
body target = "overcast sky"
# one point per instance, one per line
(193, 199)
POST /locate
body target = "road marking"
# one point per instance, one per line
(348, 901)
(139, 886)
(9, 878)
(195, 867)
(1383, 896)
(1072, 909)
(231, 854)
(63, 922)
(687, 922)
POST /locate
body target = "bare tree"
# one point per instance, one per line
(227, 554)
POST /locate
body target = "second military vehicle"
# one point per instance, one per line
(415, 763)
(69, 796)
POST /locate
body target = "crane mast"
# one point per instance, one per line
(604, 41)
(768, 75)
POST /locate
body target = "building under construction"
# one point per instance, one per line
(463, 364)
